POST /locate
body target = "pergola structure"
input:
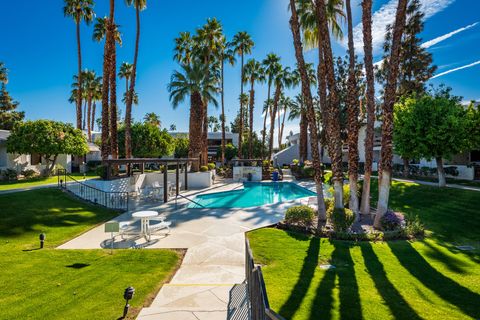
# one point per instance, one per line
(161, 161)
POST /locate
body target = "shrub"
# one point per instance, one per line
(392, 221)
(9, 174)
(29, 173)
(203, 169)
(101, 171)
(92, 164)
(266, 163)
(413, 226)
(346, 193)
(300, 215)
(308, 172)
(452, 171)
(211, 166)
(329, 203)
(327, 177)
(295, 162)
(341, 219)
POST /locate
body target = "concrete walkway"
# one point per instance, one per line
(215, 258)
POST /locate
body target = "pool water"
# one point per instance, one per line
(253, 194)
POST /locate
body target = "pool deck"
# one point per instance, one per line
(215, 257)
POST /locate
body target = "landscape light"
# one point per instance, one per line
(42, 237)
(127, 295)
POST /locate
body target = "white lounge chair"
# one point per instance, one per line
(159, 224)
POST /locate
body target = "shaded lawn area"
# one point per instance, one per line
(39, 181)
(68, 284)
(426, 279)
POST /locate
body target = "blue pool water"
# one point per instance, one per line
(253, 194)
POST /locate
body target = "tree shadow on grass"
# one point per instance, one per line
(350, 306)
(300, 289)
(444, 287)
(392, 297)
(452, 263)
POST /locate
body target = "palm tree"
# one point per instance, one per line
(312, 123)
(242, 44)
(91, 89)
(286, 104)
(207, 47)
(282, 79)
(183, 48)
(192, 82)
(298, 111)
(97, 96)
(79, 10)
(100, 30)
(139, 6)
(153, 119)
(385, 172)
(352, 114)
(271, 65)
(253, 72)
(125, 72)
(370, 97)
(331, 112)
(226, 55)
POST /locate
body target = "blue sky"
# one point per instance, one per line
(39, 49)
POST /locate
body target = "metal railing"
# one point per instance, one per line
(192, 201)
(111, 200)
(257, 292)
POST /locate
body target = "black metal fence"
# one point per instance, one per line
(259, 306)
(111, 200)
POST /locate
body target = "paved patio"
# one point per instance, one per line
(215, 259)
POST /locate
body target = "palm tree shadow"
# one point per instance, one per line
(444, 287)
(394, 300)
(300, 289)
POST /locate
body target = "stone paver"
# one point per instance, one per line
(215, 257)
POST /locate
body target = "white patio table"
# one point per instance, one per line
(145, 216)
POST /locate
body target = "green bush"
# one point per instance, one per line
(211, 166)
(203, 169)
(295, 162)
(413, 226)
(341, 219)
(327, 177)
(299, 215)
(29, 173)
(266, 163)
(9, 174)
(308, 172)
(92, 164)
(101, 171)
(329, 203)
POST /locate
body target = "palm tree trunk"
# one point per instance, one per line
(250, 134)
(333, 115)
(223, 110)
(89, 112)
(240, 129)
(282, 126)
(303, 144)
(204, 159)
(316, 163)
(387, 121)
(131, 91)
(276, 98)
(406, 169)
(264, 133)
(94, 106)
(113, 94)
(106, 90)
(352, 110)
(84, 123)
(79, 91)
(195, 129)
(370, 133)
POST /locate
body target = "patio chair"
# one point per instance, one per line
(159, 224)
(145, 193)
(126, 228)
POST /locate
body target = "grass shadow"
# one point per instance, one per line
(444, 287)
(392, 297)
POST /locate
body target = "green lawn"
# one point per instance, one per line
(40, 181)
(427, 279)
(68, 284)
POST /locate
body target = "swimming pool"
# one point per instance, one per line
(253, 194)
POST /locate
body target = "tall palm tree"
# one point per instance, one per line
(153, 119)
(139, 6)
(352, 115)
(79, 10)
(242, 44)
(183, 48)
(330, 105)
(370, 97)
(192, 83)
(286, 104)
(282, 79)
(312, 123)
(271, 65)
(226, 55)
(97, 96)
(253, 72)
(298, 110)
(385, 172)
(100, 30)
(125, 72)
(91, 89)
(207, 47)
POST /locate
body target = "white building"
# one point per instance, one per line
(214, 141)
